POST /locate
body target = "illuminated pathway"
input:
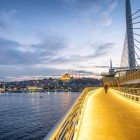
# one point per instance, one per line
(110, 117)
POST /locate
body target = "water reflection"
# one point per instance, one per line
(27, 116)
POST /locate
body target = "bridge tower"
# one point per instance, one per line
(128, 55)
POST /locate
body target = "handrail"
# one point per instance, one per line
(134, 91)
(131, 76)
(129, 93)
(67, 127)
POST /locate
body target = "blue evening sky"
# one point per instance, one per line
(47, 37)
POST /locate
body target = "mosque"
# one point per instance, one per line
(65, 77)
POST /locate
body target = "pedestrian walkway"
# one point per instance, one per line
(108, 116)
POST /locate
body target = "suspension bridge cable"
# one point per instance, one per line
(136, 52)
(136, 40)
(136, 46)
(137, 65)
(134, 28)
(136, 17)
(137, 55)
(136, 60)
(136, 34)
(136, 23)
(135, 13)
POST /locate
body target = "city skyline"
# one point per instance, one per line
(48, 37)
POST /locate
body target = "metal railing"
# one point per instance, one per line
(129, 93)
(131, 76)
(67, 128)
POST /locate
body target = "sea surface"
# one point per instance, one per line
(30, 116)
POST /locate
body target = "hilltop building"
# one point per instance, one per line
(65, 77)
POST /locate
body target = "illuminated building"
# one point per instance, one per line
(65, 77)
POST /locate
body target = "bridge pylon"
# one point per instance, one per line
(128, 55)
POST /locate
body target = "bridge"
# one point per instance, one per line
(114, 115)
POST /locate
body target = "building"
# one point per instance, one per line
(65, 77)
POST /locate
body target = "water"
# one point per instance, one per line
(30, 116)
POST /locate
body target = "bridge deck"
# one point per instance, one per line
(108, 116)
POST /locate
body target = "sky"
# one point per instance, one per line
(49, 37)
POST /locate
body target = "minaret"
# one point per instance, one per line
(129, 36)
(110, 64)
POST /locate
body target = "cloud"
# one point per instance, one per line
(22, 72)
(106, 19)
(70, 1)
(88, 11)
(8, 21)
(102, 49)
(52, 56)
(112, 6)
(97, 50)
(13, 52)
(95, 13)
(84, 72)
